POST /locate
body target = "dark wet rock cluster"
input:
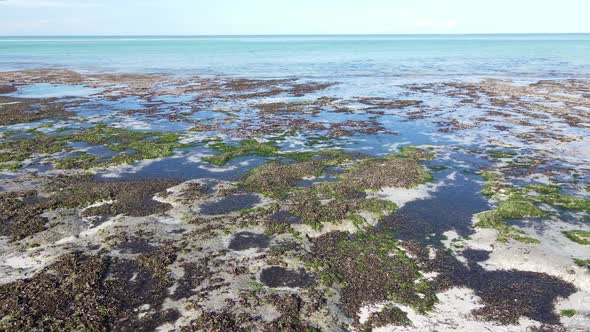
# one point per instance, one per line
(284, 217)
(280, 277)
(248, 240)
(292, 310)
(229, 204)
(345, 194)
(18, 217)
(136, 245)
(195, 275)
(6, 88)
(63, 76)
(384, 103)
(223, 321)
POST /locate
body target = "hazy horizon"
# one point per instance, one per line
(308, 34)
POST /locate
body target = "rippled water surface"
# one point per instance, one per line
(423, 56)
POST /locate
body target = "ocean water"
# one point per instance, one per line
(319, 57)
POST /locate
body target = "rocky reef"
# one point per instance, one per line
(159, 202)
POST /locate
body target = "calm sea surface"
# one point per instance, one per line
(320, 57)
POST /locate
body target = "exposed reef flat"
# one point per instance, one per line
(184, 203)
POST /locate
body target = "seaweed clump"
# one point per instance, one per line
(370, 268)
(24, 110)
(389, 315)
(343, 197)
(19, 219)
(22, 213)
(277, 179)
(290, 307)
(91, 293)
(377, 173)
(506, 295)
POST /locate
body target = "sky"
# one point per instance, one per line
(251, 17)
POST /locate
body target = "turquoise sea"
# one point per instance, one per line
(325, 57)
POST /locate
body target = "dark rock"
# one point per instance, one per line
(247, 240)
(280, 277)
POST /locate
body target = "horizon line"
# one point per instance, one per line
(306, 34)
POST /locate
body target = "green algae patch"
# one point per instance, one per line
(249, 147)
(227, 113)
(507, 210)
(493, 220)
(568, 313)
(551, 195)
(548, 194)
(130, 146)
(81, 160)
(378, 206)
(252, 147)
(521, 202)
(493, 182)
(369, 268)
(10, 166)
(142, 145)
(580, 237)
(490, 175)
(21, 149)
(413, 152)
(497, 154)
(514, 207)
(582, 262)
